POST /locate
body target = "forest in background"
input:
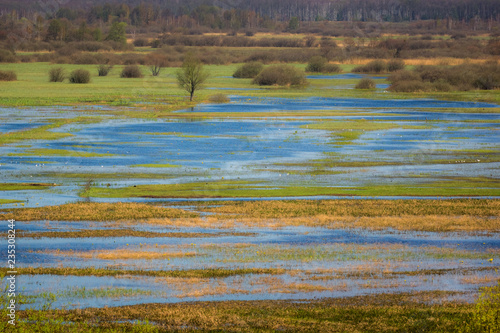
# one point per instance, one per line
(304, 10)
(268, 15)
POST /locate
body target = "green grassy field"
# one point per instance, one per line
(162, 93)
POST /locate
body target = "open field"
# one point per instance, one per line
(161, 95)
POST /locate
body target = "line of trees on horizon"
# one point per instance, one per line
(76, 21)
(238, 13)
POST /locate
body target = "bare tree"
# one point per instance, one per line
(156, 62)
(191, 75)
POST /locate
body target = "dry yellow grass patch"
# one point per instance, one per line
(436, 223)
(122, 254)
(371, 268)
(272, 284)
(443, 61)
(199, 287)
(93, 211)
(461, 215)
(480, 279)
(440, 61)
(356, 208)
(126, 254)
(386, 285)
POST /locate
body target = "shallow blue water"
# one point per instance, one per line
(12, 126)
(317, 240)
(257, 104)
(347, 76)
(251, 149)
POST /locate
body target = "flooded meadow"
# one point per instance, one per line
(201, 165)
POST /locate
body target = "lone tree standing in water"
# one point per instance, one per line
(191, 75)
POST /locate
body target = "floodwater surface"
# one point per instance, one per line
(316, 147)
(354, 142)
(311, 262)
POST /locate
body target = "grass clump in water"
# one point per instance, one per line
(219, 99)
(24, 186)
(90, 211)
(365, 83)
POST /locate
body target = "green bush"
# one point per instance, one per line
(395, 65)
(248, 70)
(410, 86)
(67, 51)
(487, 82)
(8, 76)
(404, 75)
(79, 76)
(463, 77)
(7, 56)
(133, 59)
(488, 77)
(85, 58)
(375, 66)
(319, 64)
(139, 42)
(432, 73)
(442, 85)
(486, 315)
(103, 70)
(316, 64)
(332, 68)
(131, 71)
(366, 83)
(281, 75)
(57, 74)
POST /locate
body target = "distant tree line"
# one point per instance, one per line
(237, 14)
(78, 21)
(377, 10)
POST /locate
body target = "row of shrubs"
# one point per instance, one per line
(412, 47)
(227, 41)
(88, 46)
(281, 75)
(317, 64)
(98, 53)
(173, 55)
(380, 66)
(58, 74)
(224, 55)
(435, 78)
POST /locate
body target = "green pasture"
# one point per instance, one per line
(242, 189)
(33, 88)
